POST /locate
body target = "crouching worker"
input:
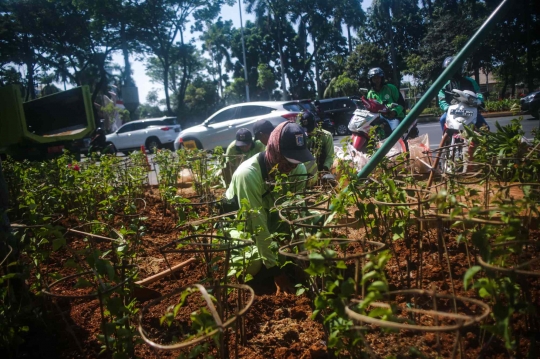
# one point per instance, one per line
(285, 154)
(321, 144)
(240, 150)
(262, 130)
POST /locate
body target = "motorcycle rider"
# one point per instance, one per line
(459, 82)
(385, 93)
(97, 143)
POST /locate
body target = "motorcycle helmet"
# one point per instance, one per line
(376, 71)
(99, 131)
(447, 61)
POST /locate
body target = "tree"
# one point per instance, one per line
(201, 99)
(163, 22)
(179, 74)
(266, 80)
(217, 42)
(350, 13)
(341, 86)
(364, 57)
(316, 18)
(397, 27)
(236, 91)
(274, 11)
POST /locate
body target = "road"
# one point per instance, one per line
(433, 129)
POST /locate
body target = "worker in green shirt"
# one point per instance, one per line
(262, 130)
(320, 143)
(385, 93)
(240, 150)
(286, 153)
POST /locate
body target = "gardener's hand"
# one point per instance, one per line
(283, 284)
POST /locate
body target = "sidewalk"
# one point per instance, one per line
(432, 118)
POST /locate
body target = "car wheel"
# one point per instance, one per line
(152, 144)
(342, 129)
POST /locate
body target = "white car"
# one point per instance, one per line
(152, 133)
(220, 128)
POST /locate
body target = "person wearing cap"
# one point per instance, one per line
(240, 150)
(286, 153)
(262, 130)
(320, 143)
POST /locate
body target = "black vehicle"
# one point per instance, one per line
(531, 104)
(327, 124)
(340, 111)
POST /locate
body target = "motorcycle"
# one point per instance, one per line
(99, 144)
(375, 114)
(455, 150)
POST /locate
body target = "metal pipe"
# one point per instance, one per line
(243, 50)
(433, 90)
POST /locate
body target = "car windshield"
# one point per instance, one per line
(170, 121)
(308, 106)
(293, 107)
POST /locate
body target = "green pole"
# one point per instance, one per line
(433, 90)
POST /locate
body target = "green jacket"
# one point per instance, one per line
(247, 182)
(390, 94)
(324, 153)
(232, 162)
(462, 83)
(255, 148)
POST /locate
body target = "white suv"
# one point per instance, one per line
(152, 133)
(220, 128)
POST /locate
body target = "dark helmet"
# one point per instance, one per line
(447, 61)
(100, 131)
(376, 71)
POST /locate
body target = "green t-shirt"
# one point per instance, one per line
(390, 94)
(247, 182)
(256, 147)
(324, 156)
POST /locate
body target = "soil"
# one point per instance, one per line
(276, 326)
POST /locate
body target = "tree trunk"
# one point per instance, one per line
(166, 67)
(349, 40)
(29, 62)
(181, 95)
(529, 47)
(395, 70)
(285, 95)
(127, 66)
(505, 85)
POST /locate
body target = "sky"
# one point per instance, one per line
(227, 13)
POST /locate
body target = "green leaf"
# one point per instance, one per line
(469, 275)
(58, 243)
(378, 286)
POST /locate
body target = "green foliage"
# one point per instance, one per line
(341, 86)
(512, 158)
(501, 105)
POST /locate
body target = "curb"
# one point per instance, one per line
(432, 118)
